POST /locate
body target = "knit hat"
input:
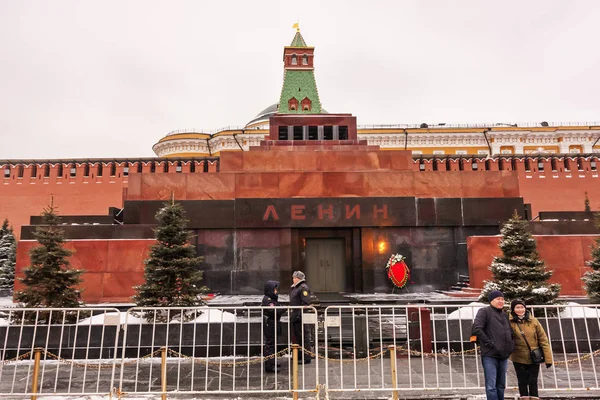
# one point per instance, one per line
(515, 302)
(299, 274)
(494, 294)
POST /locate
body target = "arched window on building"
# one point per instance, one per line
(33, 170)
(305, 59)
(294, 59)
(86, 170)
(293, 104)
(113, 169)
(59, 171)
(20, 171)
(46, 170)
(306, 104)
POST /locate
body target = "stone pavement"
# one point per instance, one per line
(459, 377)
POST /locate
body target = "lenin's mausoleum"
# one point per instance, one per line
(302, 188)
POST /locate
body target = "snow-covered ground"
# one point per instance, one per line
(213, 315)
(468, 312)
(576, 310)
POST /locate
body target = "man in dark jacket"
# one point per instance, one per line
(300, 296)
(271, 324)
(494, 334)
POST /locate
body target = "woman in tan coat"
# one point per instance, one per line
(524, 324)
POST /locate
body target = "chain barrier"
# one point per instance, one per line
(52, 356)
(18, 358)
(254, 360)
(379, 352)
(580, 358)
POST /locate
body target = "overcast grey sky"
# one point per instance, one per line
(110, 78)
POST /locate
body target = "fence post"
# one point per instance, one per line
(37, 355)
(393, 372)
(295, 371)
(163, 372)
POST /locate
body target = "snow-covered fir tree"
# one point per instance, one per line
(8, 256)
(172, 272)
(592, 278)
(519, 273)
(50, 281)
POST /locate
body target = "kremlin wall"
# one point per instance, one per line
(301, 188)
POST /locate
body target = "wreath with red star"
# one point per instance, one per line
(398, 271)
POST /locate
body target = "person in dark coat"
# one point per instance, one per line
(271, 324)
(493, 331)
(300, 296)
(525, 324)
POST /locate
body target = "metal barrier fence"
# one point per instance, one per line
(220, 350)
(208, 350)
(429, 348)
(58, 351)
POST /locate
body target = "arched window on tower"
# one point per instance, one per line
(306, 104)
(293, 104)
(294, 59)
(305, 59)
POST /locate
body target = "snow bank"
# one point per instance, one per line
(214, 315)
(467, 312)
(112, 318)
(576, 310)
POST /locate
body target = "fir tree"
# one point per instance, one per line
(592, 278)
(172, 273)
(519, 273)
(49, 281)
(8, 256)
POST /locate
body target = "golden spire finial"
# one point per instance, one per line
(297, 26)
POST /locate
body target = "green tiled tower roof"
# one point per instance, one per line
(299, 83)
(298, 41)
